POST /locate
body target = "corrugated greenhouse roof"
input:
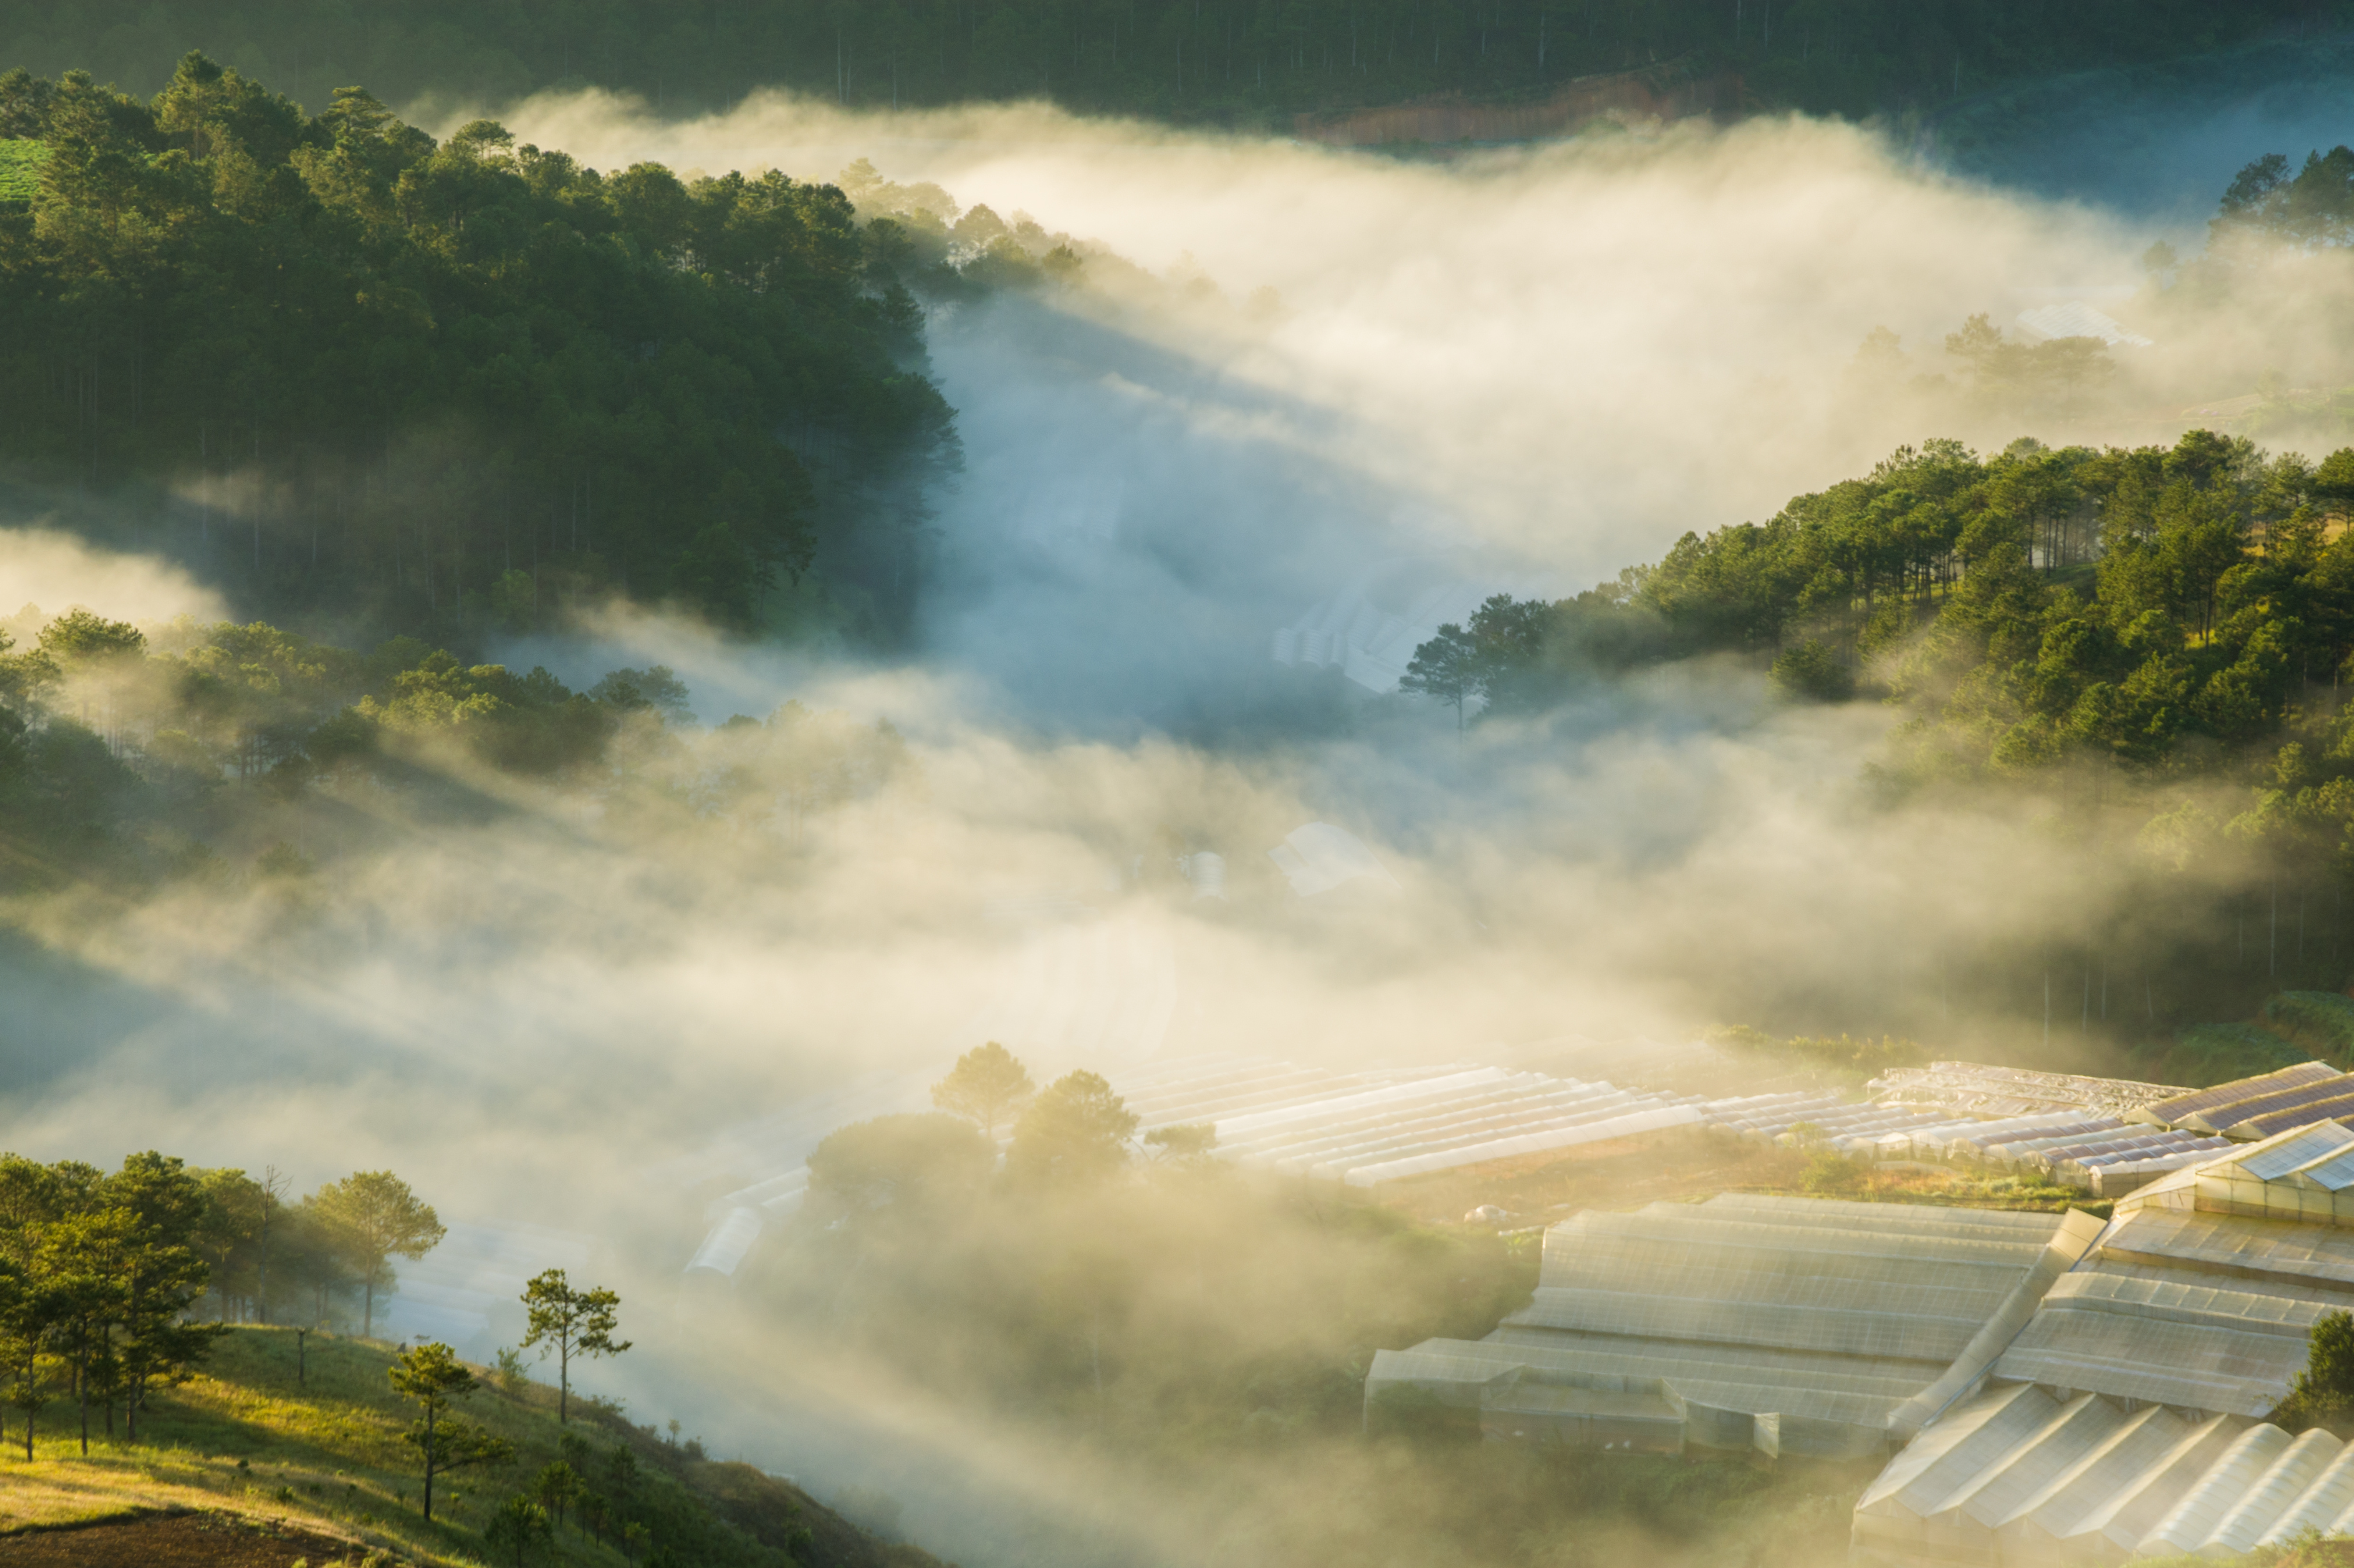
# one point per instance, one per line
(2181, 1107)
(1820, 1310)
(2017, 1476)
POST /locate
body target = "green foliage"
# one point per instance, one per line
(1074, 1133)
(512, 382)
(2208, 1054)
(1814, 671)
(917, 1161)
(1832, 1175)
(2323, 1393)
(21, 160)
(511, 1371)
(1451, 668)
(519, 1525)
(432, 1375)
(986, 1087)
(569, 1321)
(332, 1452)
(121, 755)
(373, 1218)
(2321, 1021)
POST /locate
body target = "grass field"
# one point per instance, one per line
(327, 1457)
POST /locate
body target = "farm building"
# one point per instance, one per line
(1787, 1325)
(2126, 1417)
(2063, 1390)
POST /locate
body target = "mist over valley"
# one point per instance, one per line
(1054, 771)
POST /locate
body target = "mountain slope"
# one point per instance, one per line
(250, 1451)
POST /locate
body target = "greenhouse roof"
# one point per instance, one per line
(2020, 1476)
(2208, 1106)
(1800, 1311)
(2010, 1091)
(2321, 1256)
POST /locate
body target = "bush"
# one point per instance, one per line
(2323, 1393)
(1831, 1173)
(2208, 1054)
(2321, 1021)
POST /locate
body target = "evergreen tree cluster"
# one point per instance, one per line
(103, 1276)
(454, 384)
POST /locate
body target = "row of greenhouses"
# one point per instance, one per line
(1790, 1325)
(2127, 1416)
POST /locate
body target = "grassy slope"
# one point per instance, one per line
(329, 1456)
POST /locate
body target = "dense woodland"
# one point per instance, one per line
(423, 385)
(2152, 642)
(1234, 61)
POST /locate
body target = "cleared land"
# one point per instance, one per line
(212, 1540)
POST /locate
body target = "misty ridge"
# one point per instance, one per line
(619, 650)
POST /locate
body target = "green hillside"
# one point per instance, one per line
(325, 1458)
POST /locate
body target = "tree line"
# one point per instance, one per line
(454, 385)
(104, 1276)
(102, 1284)
(2102, 626)
(1230, 61)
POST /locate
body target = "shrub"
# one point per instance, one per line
(2208, 1054)
(1829, 1173)
(2321, 1021)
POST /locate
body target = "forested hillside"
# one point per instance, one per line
(435, 386)
(1235, 60)
(2150, 645)
(210, 752)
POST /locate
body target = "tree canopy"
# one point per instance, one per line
(374, 1218)
(457, 382)
(986, 1087)
(1074, 1133)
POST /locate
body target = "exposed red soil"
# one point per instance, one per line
(175, 1541)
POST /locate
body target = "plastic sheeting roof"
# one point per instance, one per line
(2019, 1477)
(2004, 1091)
(2175, 1112)
(1370, 1127)
(2318, 1256)
(1842, 1311)
(2075, 318)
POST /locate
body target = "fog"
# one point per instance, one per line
(1522, 367)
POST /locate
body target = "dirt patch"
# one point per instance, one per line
(178, 1541)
